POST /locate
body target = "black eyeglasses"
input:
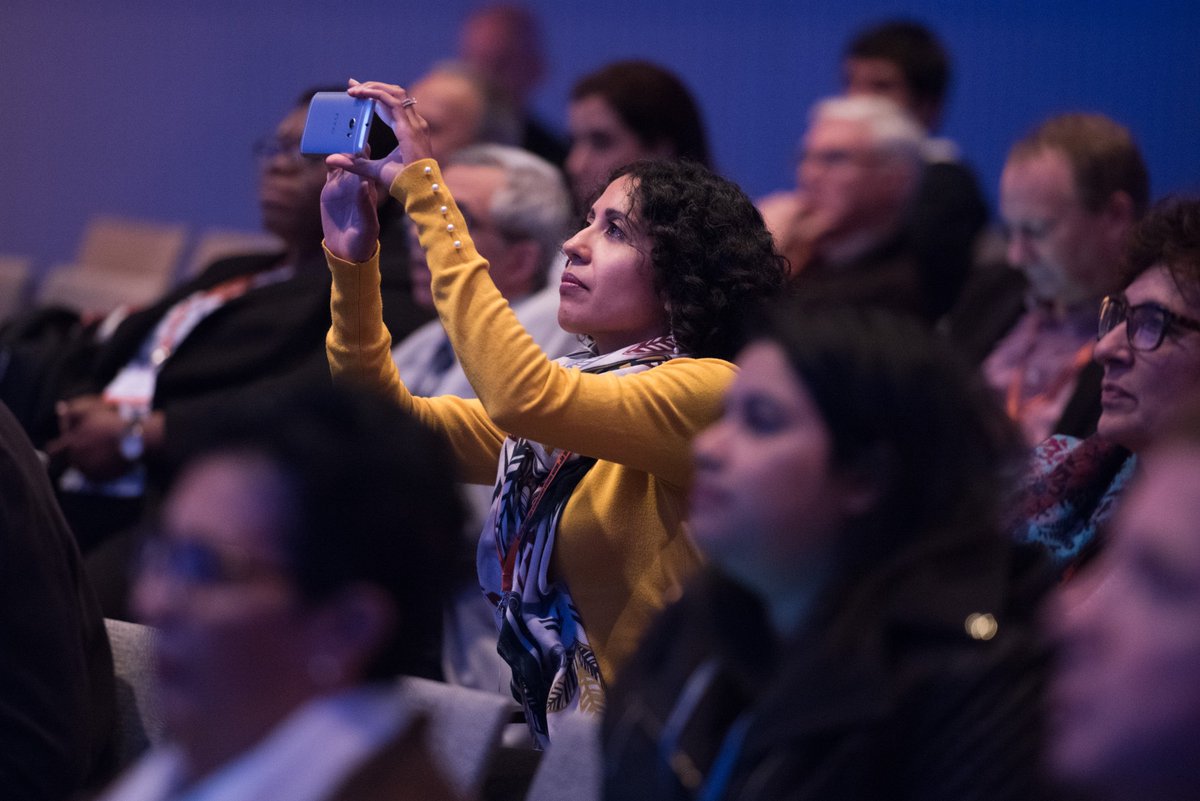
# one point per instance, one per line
(1145, 324)
(196, 563)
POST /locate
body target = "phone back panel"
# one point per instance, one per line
(337, 123)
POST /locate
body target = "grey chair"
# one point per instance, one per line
(139, 722)
(464, 728)
(571, 766)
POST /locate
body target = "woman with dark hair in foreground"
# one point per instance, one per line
(857, 635)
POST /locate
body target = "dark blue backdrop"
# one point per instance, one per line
(148, 107)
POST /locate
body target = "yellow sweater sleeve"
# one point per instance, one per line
(644, 420)
(359, 348)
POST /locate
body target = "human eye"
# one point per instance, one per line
(762, 415)
(1028, 229)
(196, 563)
(1037, 229)
(613, 230)
(601, 141)
(1147, 324)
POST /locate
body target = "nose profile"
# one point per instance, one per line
(576, 248)
(1017, 249)
(1113, 347)
(706, 448)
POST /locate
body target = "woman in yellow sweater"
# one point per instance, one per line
(585, 540)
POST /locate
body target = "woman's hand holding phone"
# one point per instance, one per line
(394, 107)
(349, 215)
(348, 201)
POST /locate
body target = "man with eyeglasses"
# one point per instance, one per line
(1070, 193)
(1149, 349)
(246, 326)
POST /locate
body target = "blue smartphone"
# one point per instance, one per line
(337, 123)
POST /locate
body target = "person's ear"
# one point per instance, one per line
(1118, 216)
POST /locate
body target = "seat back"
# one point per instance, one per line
(139, 722)
(96, 293)
(464, 728)
(219, 243)
(572, 766)
(122, 245)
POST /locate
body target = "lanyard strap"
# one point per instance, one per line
(509, 562)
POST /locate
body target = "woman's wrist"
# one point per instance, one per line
(349, 255)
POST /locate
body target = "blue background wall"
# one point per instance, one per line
(149, 107)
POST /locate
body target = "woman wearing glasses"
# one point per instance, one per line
(1149, 347)
(287, 604)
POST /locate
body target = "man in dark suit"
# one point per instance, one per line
(245, 327)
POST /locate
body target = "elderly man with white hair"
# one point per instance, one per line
(844, 228)
(518, 208)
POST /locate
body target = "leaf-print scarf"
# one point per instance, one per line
(542, 638)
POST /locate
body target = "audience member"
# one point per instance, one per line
(1150, 351)
(244, 326)
(844, 230)
(462, 108)
(300, 566)
(517, 207)
(904, 61)
(625, 111)
(1070, 193)
(858, 634)
(57, 713)
(504, 42)
(1125, 699)
(592, 451)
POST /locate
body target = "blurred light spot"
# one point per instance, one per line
(981, 625)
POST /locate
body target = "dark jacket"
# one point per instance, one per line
(269, 340)
(884, 695)
(57, 708)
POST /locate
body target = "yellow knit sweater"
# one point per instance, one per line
(621, 546)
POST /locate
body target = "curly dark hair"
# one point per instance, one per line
(712, 257)
(1168, 235)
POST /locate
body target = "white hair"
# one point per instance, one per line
(533, 203)
(893, 130)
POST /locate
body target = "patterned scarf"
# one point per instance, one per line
(1071, 491)
(541, 633)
